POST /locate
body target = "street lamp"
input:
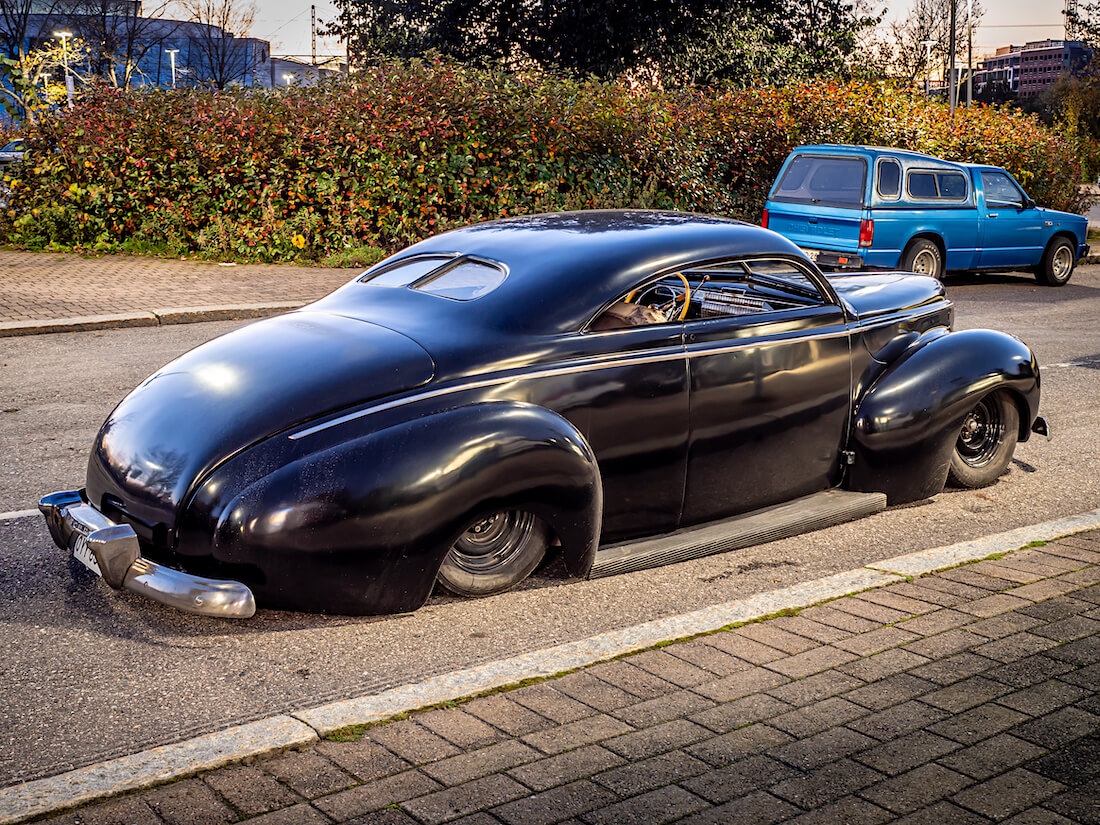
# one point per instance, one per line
(172, 54)
(928, 44)
(969, 52)
(65, 58)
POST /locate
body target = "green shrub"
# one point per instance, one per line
(389, 156)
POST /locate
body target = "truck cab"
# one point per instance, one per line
(870, 207)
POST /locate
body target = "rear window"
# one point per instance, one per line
(824, 180)
(950, 186)
(404, 272)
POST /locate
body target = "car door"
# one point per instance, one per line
(769, 366)
(1011, 229)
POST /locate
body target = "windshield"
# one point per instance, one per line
(827, 180)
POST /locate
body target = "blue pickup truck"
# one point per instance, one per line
(871, 207)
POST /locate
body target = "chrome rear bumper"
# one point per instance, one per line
(73, 522)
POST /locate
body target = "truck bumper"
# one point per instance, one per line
(833, 260)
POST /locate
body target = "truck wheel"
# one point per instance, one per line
(494, 554)
(986, 442)
(1057, 263)
(923, 257)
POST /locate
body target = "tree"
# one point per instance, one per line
(120, 34)
(222, 53)
(929, 20)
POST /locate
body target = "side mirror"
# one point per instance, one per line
(1029, 203)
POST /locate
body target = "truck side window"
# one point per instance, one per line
(921, 185)
(952, 186)
(889, 178)
(1001, 192)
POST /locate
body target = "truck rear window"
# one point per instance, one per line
(825, 180)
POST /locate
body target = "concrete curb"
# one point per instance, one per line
(158, 765)
(148, 318)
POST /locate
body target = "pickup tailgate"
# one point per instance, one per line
(816, 227)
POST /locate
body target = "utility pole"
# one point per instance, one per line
(928, 44)
(952, 87)
(969, 52)
(314, 10)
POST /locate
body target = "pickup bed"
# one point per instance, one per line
(868, 207)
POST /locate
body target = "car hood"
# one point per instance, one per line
(234, 391)
(873, 295)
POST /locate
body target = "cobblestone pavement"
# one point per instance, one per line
(964, 696)
(39, 286)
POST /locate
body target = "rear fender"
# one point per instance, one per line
(363, 526)
(908, 420)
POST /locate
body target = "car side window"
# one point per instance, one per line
(403, 272)
(889, 178)
(1001, 192)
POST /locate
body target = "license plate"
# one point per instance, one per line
(812, 253)
(82, 552)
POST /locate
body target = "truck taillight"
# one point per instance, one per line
(866, 231)
(764, 219)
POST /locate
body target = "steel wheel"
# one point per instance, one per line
(925, 263)
(923, 257)
(986, 441)
(495, 553)
(1057, 263)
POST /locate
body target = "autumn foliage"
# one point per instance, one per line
(391, 155)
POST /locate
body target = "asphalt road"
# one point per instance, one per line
(89, 673)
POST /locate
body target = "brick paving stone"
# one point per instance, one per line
(305, 814)
(963, 592)
(126, 810)
(1051, 560)
(898, 720)
(768, 634)
(566, 767)
(1029, 671)
(654, 711)
(830, 781)
(815, 688)
(1002, 573)
(625, 676)
(801, 626)
(1081, 805)
(451, 803)
(474, 764)
(966, 694)
(363, 759)
(892, 690)
(970, 575)
(250, 790)
(411, 741)
(827, 746)
(653, 808)
(584, 687)
(1076, 763)
(1035, 561)
(945, 644)
(740, 778)
(991, 756)
(1053, 610)
(1086, 576)
(546, 701)
(997, 627)
(1044, 697)
(917, 788)
(1008, 794)
(1060, 726)
(668, 667)
(1012, 648)
(376, 795)
(917, 590)
(937, 621)
(758, 808)
(741, 684)
(308, 773)
(737, 744)
(826, 614)
(858, 606)
(657, 739)
(811, 719)
(655, 772)
(995, 605)
(574, 734)
(850, 810)
(730, 715)
(1086, 677)
(881, 665)
(1038, 816)
(708, 657)
(189, 802)
(555, 804)
(743, 647)
(889, 597)
(511, 717)
(906, 752)
(978, 723)
(1042, 590)
(460, 728)
(812, 661)
(1079, 652)
(876, 641)
(1074, 552)
(942, 813)
(473, 819)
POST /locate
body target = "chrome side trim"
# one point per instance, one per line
(550, 372)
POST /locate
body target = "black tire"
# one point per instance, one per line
(1057, 264)
(986, 443)
(495, 554)
(923, 257)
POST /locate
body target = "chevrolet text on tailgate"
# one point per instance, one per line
(871, 207)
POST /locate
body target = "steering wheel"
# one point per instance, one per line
(667, 307)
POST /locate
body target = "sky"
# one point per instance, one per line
(286, 23)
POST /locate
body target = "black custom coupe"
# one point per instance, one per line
(625, 388)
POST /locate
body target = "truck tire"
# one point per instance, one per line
(1057, 263)
(923, 257)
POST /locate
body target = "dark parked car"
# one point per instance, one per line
(12, 152)
(629, 388)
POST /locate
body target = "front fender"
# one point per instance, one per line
(363, 526)
(908, 420)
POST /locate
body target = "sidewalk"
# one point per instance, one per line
(965, 696)
(37, 287)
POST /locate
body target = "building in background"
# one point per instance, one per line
(1031, 69)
